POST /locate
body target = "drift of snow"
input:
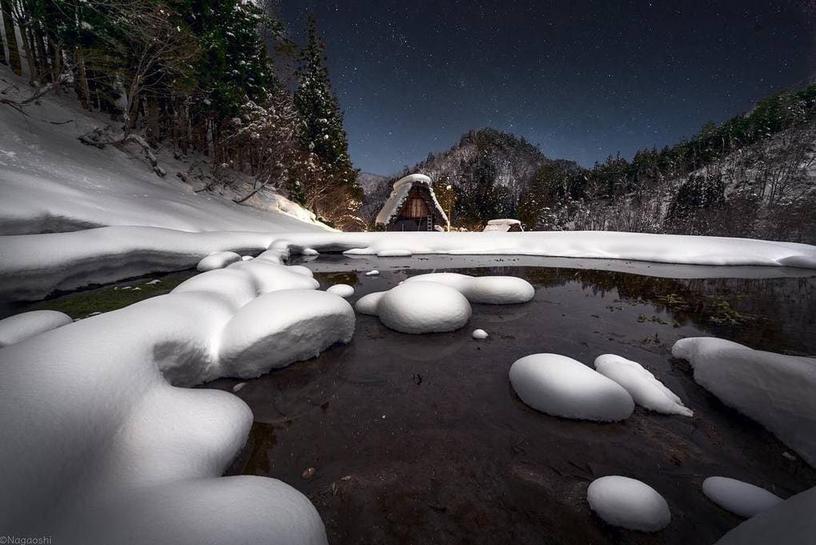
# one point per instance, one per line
(789, 523)
(282, 327)
(561, 386)
(642, 385)
(341, 290)
(479, 334)
(217, 260)
(741, 498)
(494, 290)
(91, 398)
(27, 324)
(628, 503)
(367, 304)
(423, 307)
(773, 389)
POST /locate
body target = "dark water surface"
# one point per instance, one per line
(421, 440)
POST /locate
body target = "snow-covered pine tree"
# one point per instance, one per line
(321, 132)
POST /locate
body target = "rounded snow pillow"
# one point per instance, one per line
(423, 307)
(561, 386)
(741, 498)
(282, 327)
(367, 304)
(493, 290)
(217, 260)
(27, 324)
(628, 503)
(342, 290)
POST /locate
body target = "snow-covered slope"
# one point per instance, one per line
(51, 182)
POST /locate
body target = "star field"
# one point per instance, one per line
(582, 79)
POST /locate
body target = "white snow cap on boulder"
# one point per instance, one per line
(628, 503)
(27, 324)
(642, 385)
(341, 290)
(741, 498)
(423, 307)
(561, 386)
(281, 327)
(789, 523)
(367, 304)
(217, 260)
(775, 390)
(479, 334)
(493, 290)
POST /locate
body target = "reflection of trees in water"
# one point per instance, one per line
(774, 313)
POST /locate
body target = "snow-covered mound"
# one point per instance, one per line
(642, 385)
(789, 523)
(217, 260)
(423, 307)
(775, 390)
(741, 498)
(367, 304)
(628, 503)
(27, 324)
(282, 327)
(341, 290)
(494, 290)
(561, 386)
(98, 445)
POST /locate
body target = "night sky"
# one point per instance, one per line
(582, 79)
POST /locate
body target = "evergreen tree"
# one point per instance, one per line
(321, 131)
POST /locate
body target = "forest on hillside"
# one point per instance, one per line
(203, 77)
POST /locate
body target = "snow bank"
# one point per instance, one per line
(27, 324)
(217, 260)
(99, 448)
(628, 503)
(743, 499)
(341, 290)
(681, 249)
(561, 386)
(423, 307)
(789, 523)
(775, 390)
(367, 304)
(642, 385)
(494, 290)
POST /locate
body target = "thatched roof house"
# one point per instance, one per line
(412, 206)
(504, 225)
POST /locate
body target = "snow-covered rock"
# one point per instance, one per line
(309, 252)
(423, 307)
(99, 448)
(280, 328)
(341, 290)
(300, 269)
(494, 290)
(373, 272)
(741, 498)
(561, 386)
(642, 385)
(789, 523)
(27, 324)
(217, 260)
(367, 304)
(775, 390)
(479, 334)
(628, 503)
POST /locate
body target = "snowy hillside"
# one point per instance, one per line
(51, 182)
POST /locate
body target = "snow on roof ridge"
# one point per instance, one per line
(399, 194)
